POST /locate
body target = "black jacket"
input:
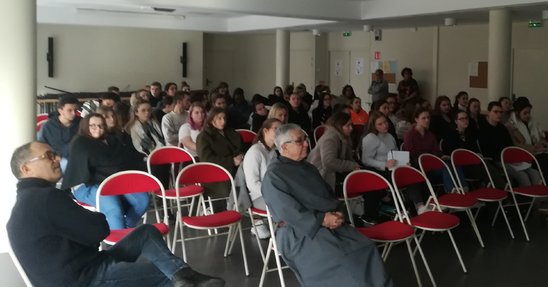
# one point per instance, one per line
(54, 238)
(57, 135)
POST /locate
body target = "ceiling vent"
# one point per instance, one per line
(165, 10)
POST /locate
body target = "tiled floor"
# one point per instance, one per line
(503, 261)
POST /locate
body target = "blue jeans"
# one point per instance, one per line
(140, 259)
(122, 211)
(446, 178)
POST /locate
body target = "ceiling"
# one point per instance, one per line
(236, 16)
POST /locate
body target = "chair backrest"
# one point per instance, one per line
(40, 124)
(404, 176)
(516, 155)
(41, 117)
(464, 157)
(318, 132)
(247, 136)
(359, 182)
(206, 172)
(127, 182)
(429, 162)
(168, 155)
(18, 266)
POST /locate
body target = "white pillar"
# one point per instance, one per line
(500, 44)
(282, 57)
(17, 92)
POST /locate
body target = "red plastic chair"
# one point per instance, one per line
(318, 133)
(463, 158)
(253, 212)
(435, 220)
(390, 233)
(197, 174)
(458, 201)
(174, 156)
(127, 182)
(247, 136)
(514, 155)
(42, 117)
(272, 248)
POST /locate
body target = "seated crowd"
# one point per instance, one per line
(113, 136)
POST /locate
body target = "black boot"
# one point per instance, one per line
(187, 277)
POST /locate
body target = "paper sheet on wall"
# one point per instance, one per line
(401, 157)
(358, 63)
(388, 67)
(473, 69)
(338, 68)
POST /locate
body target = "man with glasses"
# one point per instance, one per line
(312, 236)
(56, 240)
(493, 135)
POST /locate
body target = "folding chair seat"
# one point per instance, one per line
(272, 248)
(516, 155)
(175, 157)
(462, 158)
(434, 220)
(197, 174)
(459, 200)
(127, 182)
(389, 233)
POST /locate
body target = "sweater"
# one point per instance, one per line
(375, 149)
(54, 238)
(493, 139)
(256, 161)
(417, 144)
(171, 123)
(58, 136)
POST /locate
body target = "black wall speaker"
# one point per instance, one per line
(184, 59)
(49, 57)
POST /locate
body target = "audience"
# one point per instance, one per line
(379, 87)
(189, 131)
(474, 113)
(279, 111)
(440, 122)
(141, 94)
(298, 114)
(61, 127)
(312, 237)
(358, 114)
(93, 160)
(408, 88)
(347, 95)
(170, 89)
(164, 107)
(145, 132)
(172, 121)
(56, 241)
(107, 100)
(277, 96)
(461, 101)
(258, 116)
(239, 111)
(156, 94)
(321, 113)
(506, 106)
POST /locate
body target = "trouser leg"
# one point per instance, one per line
(136, 205)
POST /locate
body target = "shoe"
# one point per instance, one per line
(260, 230)
(360, 221)
(187, 277)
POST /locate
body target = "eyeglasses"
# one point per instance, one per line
(94, 126)
(300, 141)
(49, 155)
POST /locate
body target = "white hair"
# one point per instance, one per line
(282, 134)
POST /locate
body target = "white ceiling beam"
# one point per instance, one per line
(254, 23)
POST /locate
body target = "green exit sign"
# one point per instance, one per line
(535, 24)
(347, 34)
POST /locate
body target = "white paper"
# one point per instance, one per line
(358, 66)
(473, 69)
(401, 157)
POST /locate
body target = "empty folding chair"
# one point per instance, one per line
(435, 220)
(458, 200)
(462, 158)
(127, 182)
(388, 233)
(197, 174)
(517, 155)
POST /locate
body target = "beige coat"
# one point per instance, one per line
(332, 154)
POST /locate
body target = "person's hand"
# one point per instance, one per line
(333, 220)
(391, 163)
(238, 159)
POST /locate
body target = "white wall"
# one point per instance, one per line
(89, 59)
(243, 60)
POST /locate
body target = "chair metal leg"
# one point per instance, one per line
(457, 251)
(475, 227)
(521, 218)
(410, 250)
(181, 225)
(265, 264)
(256, 234)
(278, 264)
(506, 220)
(244, 255)
(232, 240)
(425, 262)
(529, 210)
(174, 244)
(496, 214)
(228, 237)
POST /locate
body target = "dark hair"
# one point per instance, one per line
(277, 88)
(213, 98)
(157, 84)
(373, 117)
(111, 96)
(338, 120)
(406, 69)
(212, 114)
(470, 101)
(521, 100)
(419, 111)
(267, 124)
(493, 104)
(180, 95)
(223, 85)
(102, 110)
(83, 129)
(168, 85)
(288, 90)
(504, 98)
(321, 99)
(376, 106)
(440, 100)
(238, 93)
(166, 101)
(319, 90)
(258, 99)
(520, 106)
(19, 157)
(457, 98)
(348, 87)
(113, 89)
(67, 100)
